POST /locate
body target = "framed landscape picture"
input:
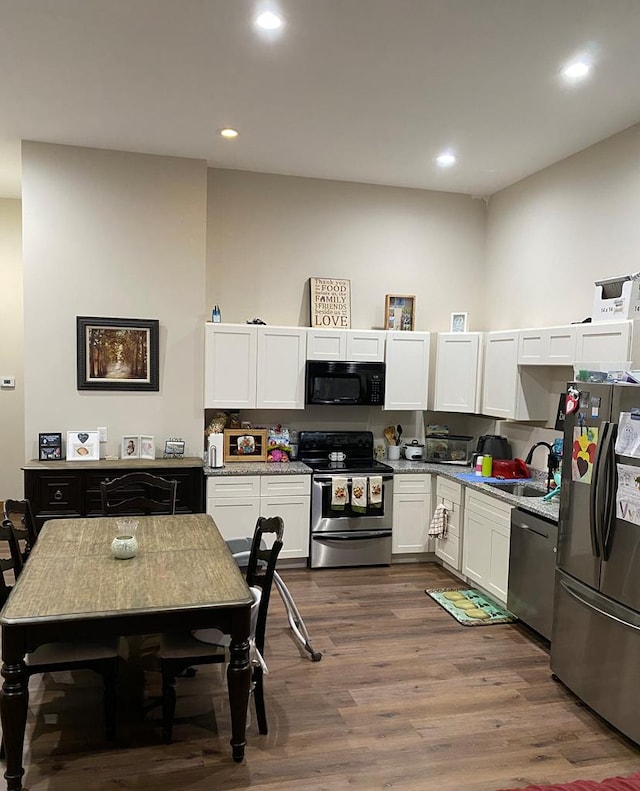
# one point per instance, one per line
(117, 354)
(330, 303)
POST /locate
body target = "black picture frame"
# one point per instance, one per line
(117, 354)
(50, 446)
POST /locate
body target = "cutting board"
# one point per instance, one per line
(473, 478)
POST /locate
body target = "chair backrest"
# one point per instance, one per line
(20, 513)
(261, 567)
(138, 493)
(13, 562)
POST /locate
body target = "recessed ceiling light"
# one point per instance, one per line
(446, 160)
(228, 133)
(269, 21)
(576, 70)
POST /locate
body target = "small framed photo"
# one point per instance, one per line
(399, 312)
(130, 448)
(83, 446)
(458, 322)
(50, 446)
(241, 444)
(147, 447)
(174, 449)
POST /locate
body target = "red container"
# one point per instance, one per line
(507, 468)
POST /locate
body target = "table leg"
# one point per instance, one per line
(13, 711)
(239, 685)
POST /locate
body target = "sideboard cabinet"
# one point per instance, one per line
(66, 489)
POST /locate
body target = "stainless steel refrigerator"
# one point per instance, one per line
(595, 643)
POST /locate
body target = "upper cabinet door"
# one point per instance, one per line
(458, 369)
(407, 370)
(282, 353)
(547, 346)
(603, 341)
(365, 345)
(500, 374)
(326, 345)
(230, 352)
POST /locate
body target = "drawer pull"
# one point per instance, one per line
(58, 495)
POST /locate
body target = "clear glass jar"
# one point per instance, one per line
(125, 542)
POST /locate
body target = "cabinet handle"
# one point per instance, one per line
(57, 495)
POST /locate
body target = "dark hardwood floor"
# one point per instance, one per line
(403, 698)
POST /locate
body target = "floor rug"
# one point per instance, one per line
(631, 783)
(470, 607)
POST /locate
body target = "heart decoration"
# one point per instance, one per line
(583, 467)
(83, 437)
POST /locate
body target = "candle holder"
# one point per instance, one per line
(125, 543)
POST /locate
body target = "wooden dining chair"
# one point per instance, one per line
(179, 651)
(20, 513)
(138, 493)
(102, 657)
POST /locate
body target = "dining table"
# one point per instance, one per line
(183, 577)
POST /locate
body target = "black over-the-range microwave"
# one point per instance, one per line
(346, 383)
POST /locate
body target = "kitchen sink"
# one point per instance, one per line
(519, 489)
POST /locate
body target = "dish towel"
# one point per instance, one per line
(375, 491)
(439, 522)
(359, 495)
(338, 494)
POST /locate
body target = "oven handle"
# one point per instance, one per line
(353, 535)
(326, 481)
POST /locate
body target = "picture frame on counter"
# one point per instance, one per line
(50, 446)
(117, 354)
(399, 312)
(147, 447)
(174, 449)
(83, 446)
(241, 444)
(130, 447)
(458, 322)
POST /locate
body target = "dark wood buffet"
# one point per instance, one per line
(67, 489)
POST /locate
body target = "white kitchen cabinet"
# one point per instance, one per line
(547, 346)
(407, 371)
(449, 548)
(604, 341)
(458, 372)
(485, 552)
(230, 357)
(351, 345)
(236, 501)
(509, 391)
(280, 367)
(412, 513)
(249, 366)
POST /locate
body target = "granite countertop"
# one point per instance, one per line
(259, 468)
(535, 505)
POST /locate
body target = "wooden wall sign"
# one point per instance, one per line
(330, 302)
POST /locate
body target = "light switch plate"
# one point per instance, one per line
(102, 433)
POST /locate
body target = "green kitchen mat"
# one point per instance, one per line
(470, 607)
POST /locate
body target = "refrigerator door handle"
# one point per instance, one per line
(595, 494)
(611, 483)
(591, 606)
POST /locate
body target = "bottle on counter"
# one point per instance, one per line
(478, 465)
(215, 314)
(487, 466)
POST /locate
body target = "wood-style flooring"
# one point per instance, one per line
(403, 698)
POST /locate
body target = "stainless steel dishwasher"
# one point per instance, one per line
(532, 569)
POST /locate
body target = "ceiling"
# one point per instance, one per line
(355, 90)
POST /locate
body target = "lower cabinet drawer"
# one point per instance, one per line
(58, 495)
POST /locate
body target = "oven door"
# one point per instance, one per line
(327, 519)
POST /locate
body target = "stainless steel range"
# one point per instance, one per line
(351, 499)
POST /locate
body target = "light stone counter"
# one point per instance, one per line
(259, 468)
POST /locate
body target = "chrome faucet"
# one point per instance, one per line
(553, 461)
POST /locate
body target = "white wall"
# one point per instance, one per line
(11, 350)
(552, 235)
(108, 233)
(268, 234)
